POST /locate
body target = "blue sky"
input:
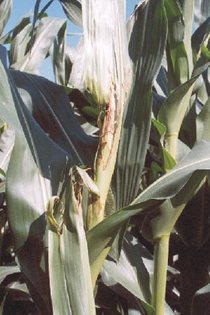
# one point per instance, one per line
(23, 7)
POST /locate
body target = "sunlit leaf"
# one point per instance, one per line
(70, 279)
(199, 36)
(167, 187)
(103, 67)
(202, 11)
(46, 32)
(178, 66)
(176, 105)
(73, 10)
(5, 11)
(44, 98)
(203, 123)
(6, 145)
(47, 166)
(59, 56)
(146, 52)
(130, 271)
(20, 40)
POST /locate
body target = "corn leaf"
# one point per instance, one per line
(44, 98)
(202, 11)
(5, 11)
(7, 114)
(42, 166)
(203, 123)
(26, 201)
(6, 145)
(167, 187)
(199, 36)
(188, 15)
(130, 271)
(70, 279)
(7, 270)
(37, 15)
(46, 32)
(178, 66)
(146, 49)
(20, 39)
(105, 55)
(177, 104)
(58, 56)
(73, 10)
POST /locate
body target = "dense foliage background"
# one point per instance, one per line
(104, 174)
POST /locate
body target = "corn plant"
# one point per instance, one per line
(120, 144)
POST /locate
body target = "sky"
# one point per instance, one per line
(23, 7)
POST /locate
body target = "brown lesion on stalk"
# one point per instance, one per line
(107, 152)
(108, 127)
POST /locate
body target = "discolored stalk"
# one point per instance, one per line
(106, 156)
(104, 168)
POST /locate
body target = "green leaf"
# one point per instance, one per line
(5, 11)
(203, 123)
(158, 225)
(20, 40)
(70, 279)
(130, 271)
(199, 36)
(7, 270)
(205, 51)
(26, 202)
(161, 84)
(178, 70)
(18, 116)
(176, 106)
(2, 172)
(59, 56)
(69, 57)
(168, 160)
(88, 182)
(202, 11)
(73, 10)
(36, 172)
(88, 111)
(46, 31)
(146, 47)
(167, 187)
(8, 115)
(103, 62)
(160, 127)
(6, 144)
(188, 15)
(44, 98)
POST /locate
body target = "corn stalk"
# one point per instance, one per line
(106, 77)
